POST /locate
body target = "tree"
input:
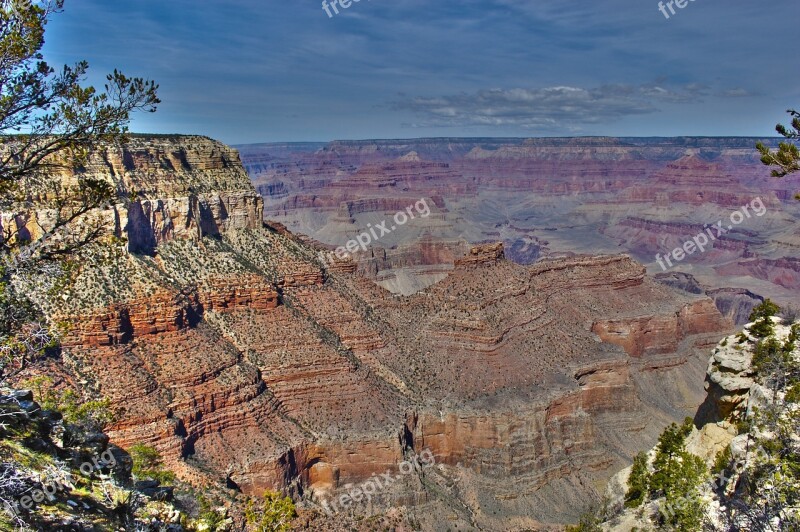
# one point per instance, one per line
(787, 157)
(761, 317)
(677, 476)
(767, 309)
(638, 482)
(49, 122)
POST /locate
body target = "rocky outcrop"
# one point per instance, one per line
(731, 378)
(169, 188)
(645, 335)
(482, 255)
(122, 322)
(736, 304)
(731, 438)
(231, 293)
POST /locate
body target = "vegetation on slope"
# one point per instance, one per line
(755, 488)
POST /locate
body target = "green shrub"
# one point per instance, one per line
(721, 461)
(762, 328)
(589, 522)
(273, 514)
(148, 464)
(209, 516)
(761, 316)
(93, 414)
(765, 354)
(765, 310)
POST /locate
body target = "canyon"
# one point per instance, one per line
(531, 373)
(543, 197)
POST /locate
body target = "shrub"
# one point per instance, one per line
(721, 461)
(761, 316)
(762, 328)
(766, 354)
(589, 523)
(592, 519)
(273, 514)
(765, 310)
(790, 314)
(209, 516)
(93, 414)
(148, 464)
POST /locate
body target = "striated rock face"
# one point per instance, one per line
(660, 334)
(170, 188)
(736, 304)
(784, 272)
(121, 323)
(482, 255)
(249, 362)
(230, 293)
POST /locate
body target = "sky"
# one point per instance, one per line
(246, 71)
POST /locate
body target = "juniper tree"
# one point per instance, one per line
(49, 121)
(787, 157)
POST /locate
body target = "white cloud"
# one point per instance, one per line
(564, 107)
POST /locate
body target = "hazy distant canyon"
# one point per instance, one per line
(544, 198)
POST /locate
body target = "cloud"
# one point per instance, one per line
(549, 108)
(735, 93)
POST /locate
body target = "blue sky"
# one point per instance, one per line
(271, 70)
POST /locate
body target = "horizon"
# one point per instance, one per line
(610, 137)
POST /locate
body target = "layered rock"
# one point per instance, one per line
(122, 322)
(660, 334)
(247, 361)
(543, 198)
(169, 188)
(480, 255)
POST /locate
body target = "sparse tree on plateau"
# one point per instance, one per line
(49, 121)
